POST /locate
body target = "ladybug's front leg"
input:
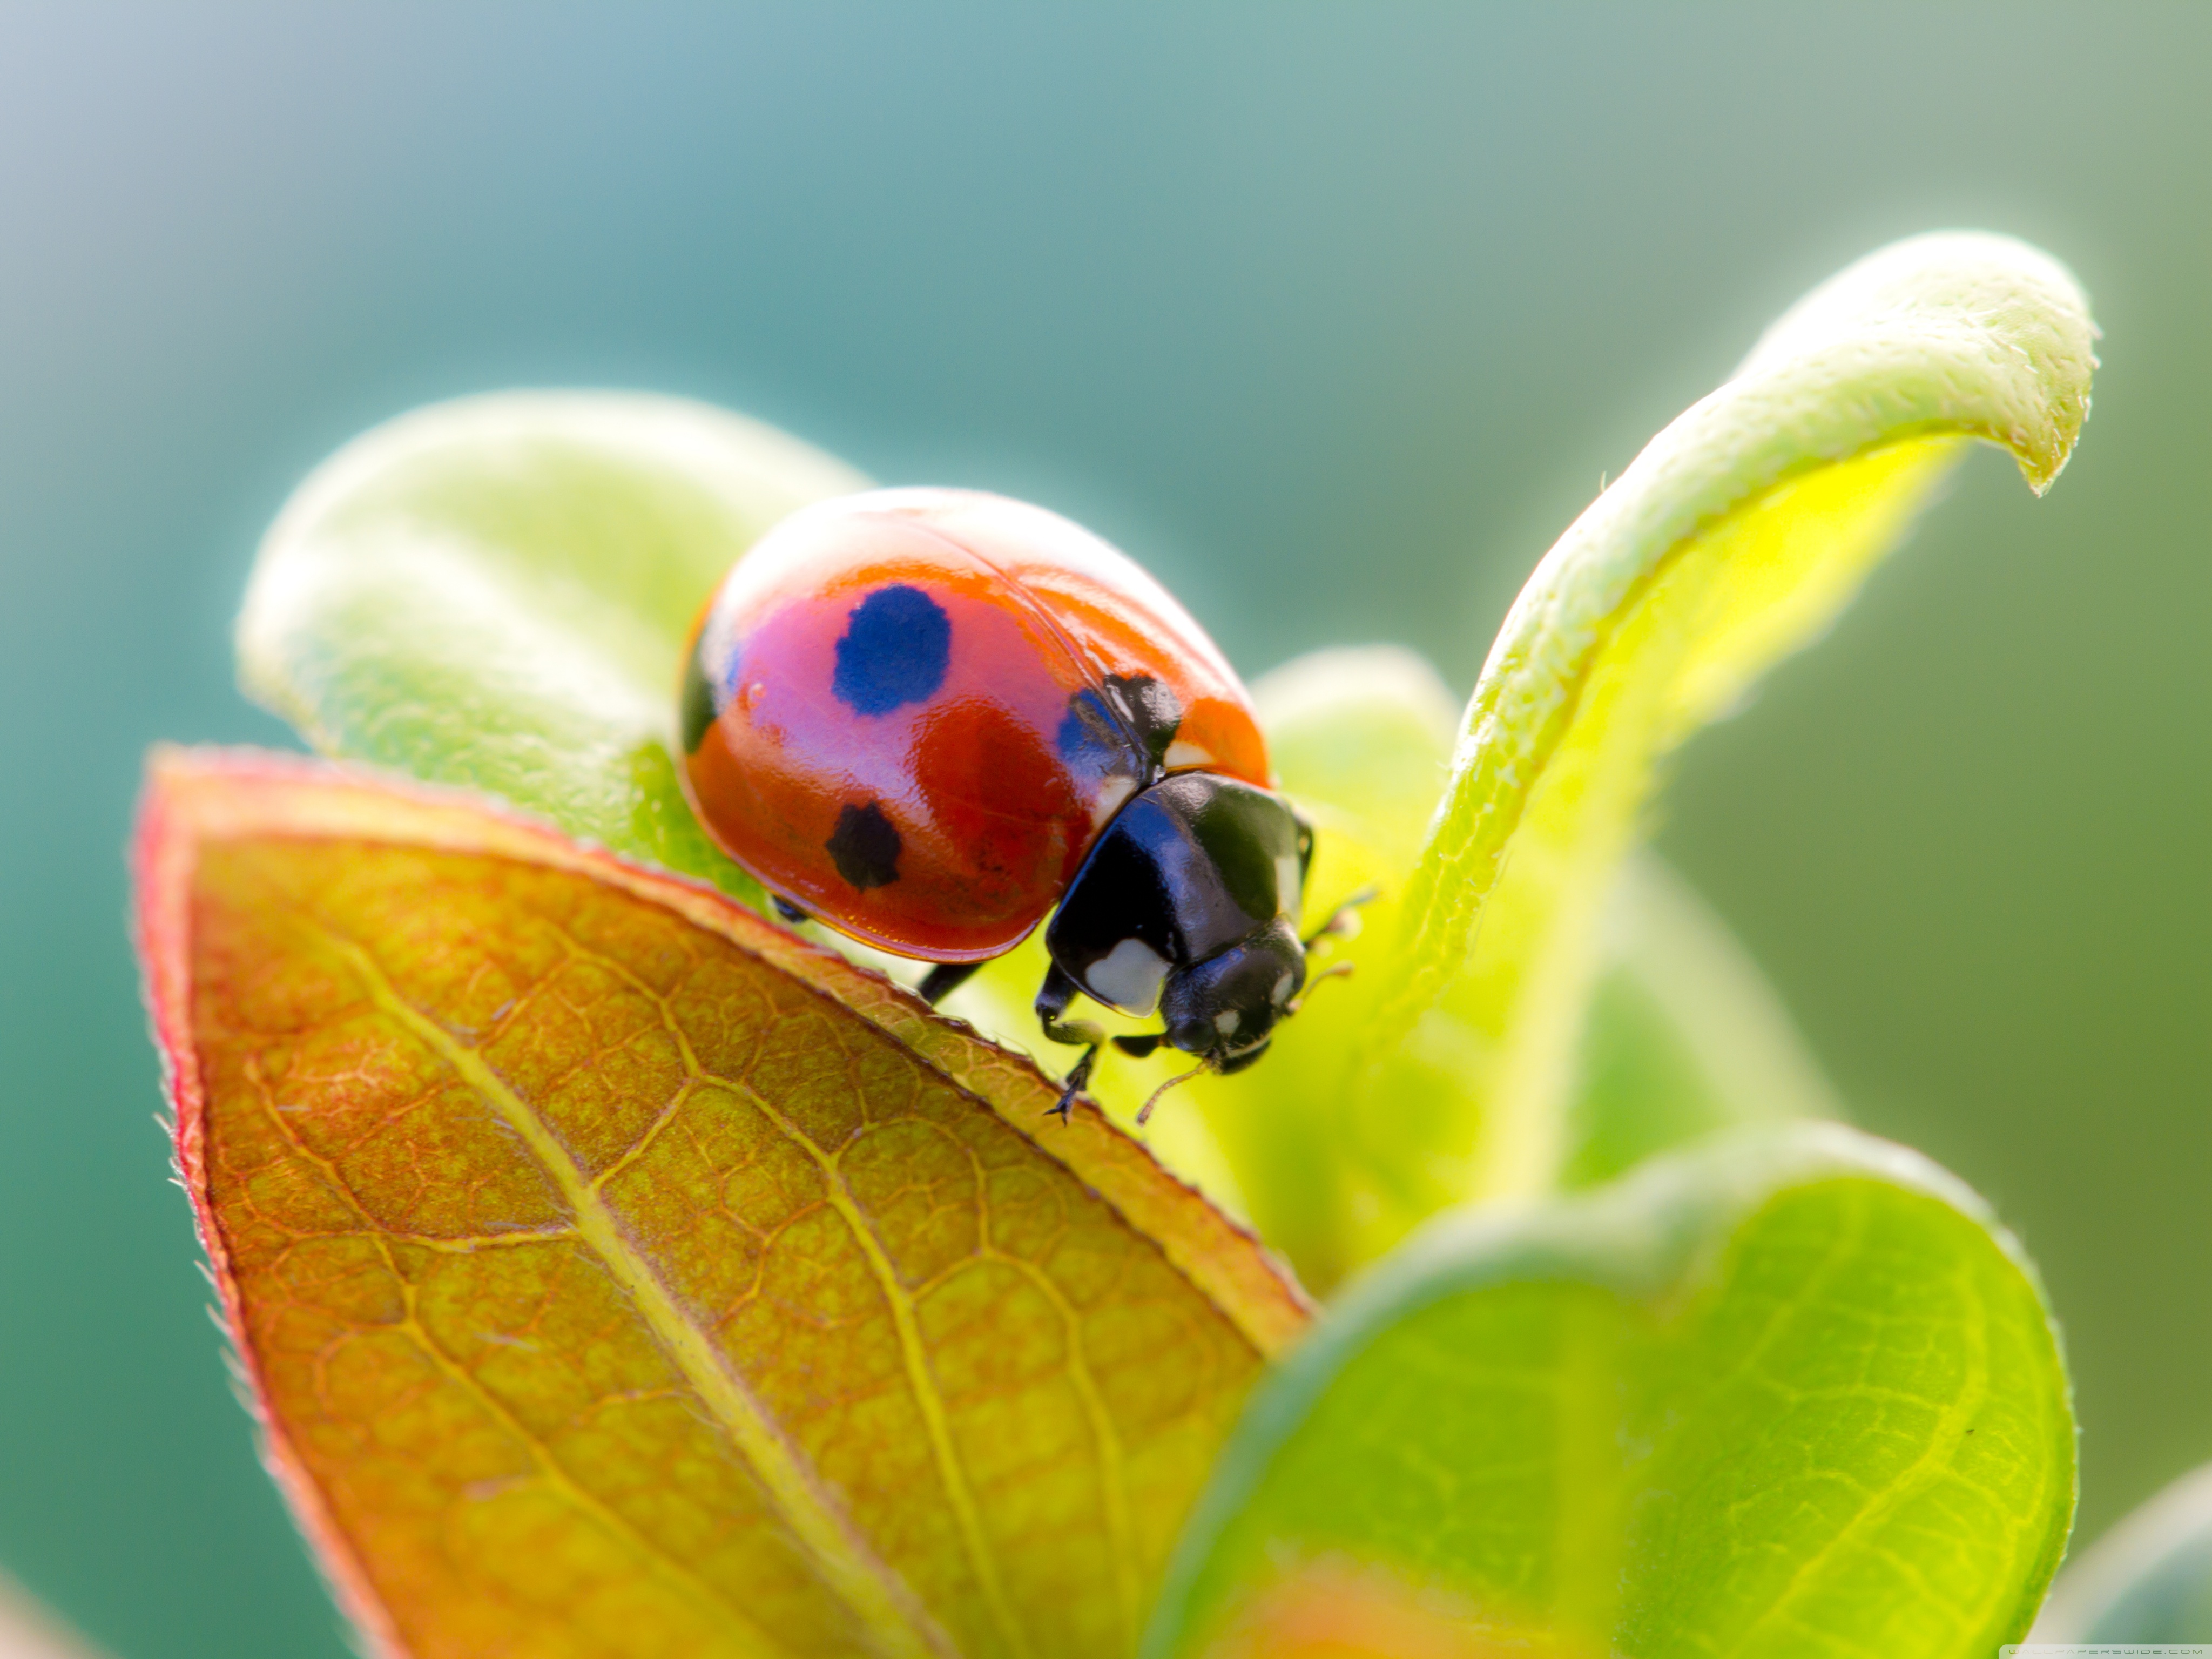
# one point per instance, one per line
(1057, 991)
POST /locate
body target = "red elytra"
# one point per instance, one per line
(911, 712)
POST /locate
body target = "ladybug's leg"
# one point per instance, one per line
(1052, 1000)
(1344, 922)
(942, 981)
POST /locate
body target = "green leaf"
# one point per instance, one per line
(1684, 1037)
(496, 592)
(1735, 536)
(2148, 1580)
(1794, 1392)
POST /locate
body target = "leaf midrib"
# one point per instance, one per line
(901, 1300)
(882, 1604)
(679, 1574)
(1935, 1461)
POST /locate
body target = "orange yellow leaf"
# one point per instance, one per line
(617, 1274)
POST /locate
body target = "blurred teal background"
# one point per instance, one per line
(1333, 315)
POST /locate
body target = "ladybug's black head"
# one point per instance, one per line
(1190, 901)
(1224, 1008)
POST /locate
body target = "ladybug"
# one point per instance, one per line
(929, 717)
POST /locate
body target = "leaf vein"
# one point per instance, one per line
(549, 1468)
(912, 1351)
(884, 1605)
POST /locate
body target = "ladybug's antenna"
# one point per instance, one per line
(1145, 1110)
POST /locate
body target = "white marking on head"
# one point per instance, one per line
(1287, 883)
(1128, 976)
(1111, 798)
(1283, 990)
(1227, 1021)
(1185, 756)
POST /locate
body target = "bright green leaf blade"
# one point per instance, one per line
(496, 592)
(2148, 1580)
(1792, 1392)
(1684, 1037)
(1735, 537)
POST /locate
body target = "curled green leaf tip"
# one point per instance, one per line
(1735, 537)
(1965, 331)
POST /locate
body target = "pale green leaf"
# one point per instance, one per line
(1792, 1392)
(1684, 1037)
(1735, 537)
(496, 592)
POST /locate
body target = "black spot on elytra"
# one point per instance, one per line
(698, 705)
(894, 650)
(1152, 711)
(866, 847)
(1101, 725)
